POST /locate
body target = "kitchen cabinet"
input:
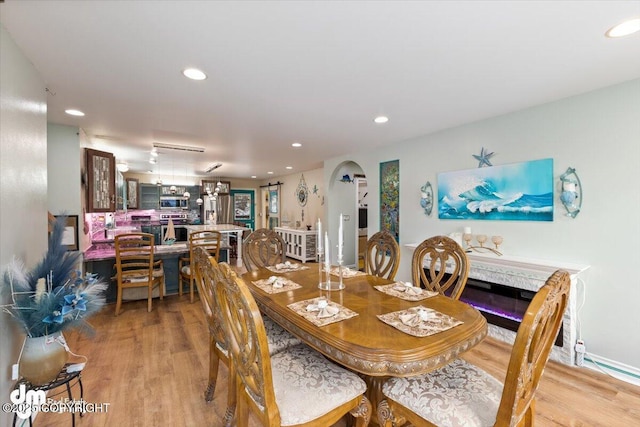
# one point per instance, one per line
(121, 196)
(299, 244)
(149, 196)
(101, 181)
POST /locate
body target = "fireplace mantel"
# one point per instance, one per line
(529, 274)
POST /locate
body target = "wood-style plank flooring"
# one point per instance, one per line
(152, 369)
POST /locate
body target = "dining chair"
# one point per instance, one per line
(261, 248)
(440, 265)
(210, 241)
(296, 386)
(461, 394)
(135, 266)
(382, 255)
(207, 275)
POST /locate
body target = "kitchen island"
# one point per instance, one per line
(224, 229)
(100, 259)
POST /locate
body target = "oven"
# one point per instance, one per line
(181, 233)
(179, 220)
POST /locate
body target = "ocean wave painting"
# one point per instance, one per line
(518, 191)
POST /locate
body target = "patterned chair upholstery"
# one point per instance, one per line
(382, 255)
(463, 395)
(207, 275)
(296, 386)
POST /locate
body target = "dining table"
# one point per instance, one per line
(368, 335)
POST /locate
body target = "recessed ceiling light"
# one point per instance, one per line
(381, 119)
(270, 173)
(296, 144)
(253, 176)
(122, 166)
(289, 167)
(154, 152)
(194, 74)
(624, 28)
(74, 113)
(153, 161)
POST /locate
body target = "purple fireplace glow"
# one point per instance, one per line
(501, 287)
(503, 306)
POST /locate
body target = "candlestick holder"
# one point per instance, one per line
(320, 269)
(332, 285)
(482, 238)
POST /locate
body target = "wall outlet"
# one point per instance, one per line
(15, 372)
(580, 351)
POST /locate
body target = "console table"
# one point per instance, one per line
(299, 244)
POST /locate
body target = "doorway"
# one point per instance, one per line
(243, 208)
(362, 218)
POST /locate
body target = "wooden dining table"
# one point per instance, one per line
(364, 343)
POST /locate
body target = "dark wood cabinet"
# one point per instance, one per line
(101, 181)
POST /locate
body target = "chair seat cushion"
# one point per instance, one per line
(456, 395)
(278, 337)
(301, 374)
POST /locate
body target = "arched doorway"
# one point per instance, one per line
(344, 189)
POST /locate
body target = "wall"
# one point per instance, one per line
(291, 211)
(597, 133)
(23, 187)
(63, 174)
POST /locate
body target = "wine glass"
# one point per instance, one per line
(497, 240)
(467, 239)
(481, 238)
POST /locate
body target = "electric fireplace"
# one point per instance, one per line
(500, 287)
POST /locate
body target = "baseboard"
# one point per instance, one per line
(616, 369)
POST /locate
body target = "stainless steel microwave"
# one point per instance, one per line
(173, 202)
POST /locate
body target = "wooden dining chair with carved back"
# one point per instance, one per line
(440, 265)
(136, 268)
(210, 240)
(382, 255)
(207, 276)
(261, 248)
(296, 386)
(461, 394)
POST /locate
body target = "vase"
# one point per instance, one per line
(43, 358)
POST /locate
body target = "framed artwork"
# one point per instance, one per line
(390, 197)
(70, 234)
(225, 186)
(242, 204)
(132, 193)
(519, 191)
(273, 201)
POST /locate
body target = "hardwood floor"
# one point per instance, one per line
(152, 369)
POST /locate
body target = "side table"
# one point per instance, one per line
(64, 378)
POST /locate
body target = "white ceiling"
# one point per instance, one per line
(314, 72)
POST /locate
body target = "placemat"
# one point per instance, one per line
(287, 267)
(321, 311)
(274, 285)
(409, 293)
(419, 321)
(346, 272)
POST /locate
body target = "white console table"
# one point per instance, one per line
(299, 244)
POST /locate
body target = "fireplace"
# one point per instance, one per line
(495, 280)
(502, 306)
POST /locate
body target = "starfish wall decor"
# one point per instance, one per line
(483, 158)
